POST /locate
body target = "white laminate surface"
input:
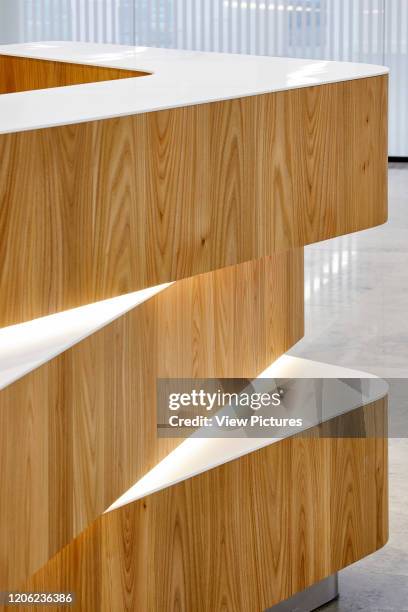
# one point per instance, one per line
(196, 454)
(179, 78)
(27, 346)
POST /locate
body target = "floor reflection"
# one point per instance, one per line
(356, 290)
(356, 294)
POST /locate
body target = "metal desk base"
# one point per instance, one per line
(315, 596)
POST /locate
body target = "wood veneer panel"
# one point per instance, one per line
(80, 430)
(238, 538)
(95, 210)
(25, 74)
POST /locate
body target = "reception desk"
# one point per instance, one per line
(154, 206)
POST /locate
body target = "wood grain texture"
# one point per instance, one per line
(241, 537)
(25, 74)
(80, 430)
(95, 210)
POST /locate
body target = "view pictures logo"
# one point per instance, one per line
(219, 399)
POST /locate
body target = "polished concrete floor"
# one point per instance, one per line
(357, 316)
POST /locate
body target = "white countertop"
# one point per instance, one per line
(180, 78)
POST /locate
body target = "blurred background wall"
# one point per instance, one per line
(373, 31)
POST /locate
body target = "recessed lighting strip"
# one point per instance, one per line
(26, 346)
(196, 455)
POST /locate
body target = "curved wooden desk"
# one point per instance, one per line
(213, 174)
(243, 536)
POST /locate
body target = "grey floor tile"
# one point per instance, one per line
(356, 296)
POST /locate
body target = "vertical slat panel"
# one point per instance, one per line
(184, 25)
(43, 22)
(156, 29)
(229, 27)
(114, 22)
(331, 34)
(138, 25)
(94, 22)
(341, 25)
(193, 26)
(361, 31)
(258, 29)
(78, 20)
(299, 34)
(275, 33)
(86, 21)
(370, 27)
(211, 45)
(68, 9)
(220, 26)
(105, 21)
(34, 17)
(167, 23)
